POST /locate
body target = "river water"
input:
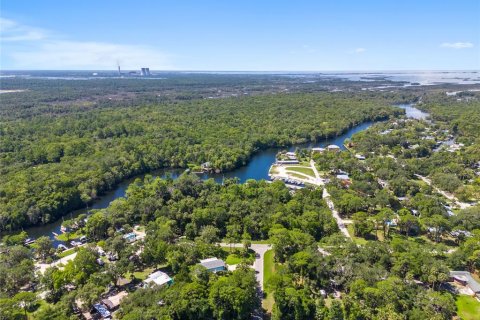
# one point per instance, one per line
(257, 169)
(414, 113)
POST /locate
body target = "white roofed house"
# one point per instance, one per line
(333, 148)
(291, 155)
(318, 150)
(213, 264)
(158, 278)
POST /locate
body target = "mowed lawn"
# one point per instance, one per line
(468, 307)
(307, 171)
(268, 271)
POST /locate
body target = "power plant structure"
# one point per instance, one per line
(145, 72)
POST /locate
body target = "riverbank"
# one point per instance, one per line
(257, 168)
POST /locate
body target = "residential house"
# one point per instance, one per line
(130, 237)
(102, 311)
(318, 150)
(360, 157)
(465, 279)
(333, 148)
(113, 302)
(213, 264)
(158, 278)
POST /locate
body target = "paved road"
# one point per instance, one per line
(447, 195)
(43, 266)
(340, 221)
(319, 180)
(259, 249)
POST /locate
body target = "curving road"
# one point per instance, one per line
(260, 250)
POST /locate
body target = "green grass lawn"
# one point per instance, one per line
(358, 240)
(268, 270)
(73, 235)
(296, 175)
(142, 275)
(66, 252)
(468, 308)
(307, 171)
(233, 259)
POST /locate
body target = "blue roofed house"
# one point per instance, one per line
(213, 264)
(130, 237)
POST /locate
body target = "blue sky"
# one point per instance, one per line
(256, 35)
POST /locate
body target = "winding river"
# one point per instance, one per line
(257, 168)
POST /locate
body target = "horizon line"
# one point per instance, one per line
(226, 70)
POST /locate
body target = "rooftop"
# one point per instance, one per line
(212, 263)
(158, 277)
(114, 301)
(466, 276)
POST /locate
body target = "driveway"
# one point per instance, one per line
(260, 250)
(340, 221)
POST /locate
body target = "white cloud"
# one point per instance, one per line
(31, 48)
(457, 45)
(12, 31)
(89, 56)
(360, 50)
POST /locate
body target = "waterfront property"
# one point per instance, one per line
(318, 150)
(333, 148)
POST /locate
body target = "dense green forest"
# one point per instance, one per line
(56, 162)
(184, 220)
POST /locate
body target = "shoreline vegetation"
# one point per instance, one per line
(56, 164)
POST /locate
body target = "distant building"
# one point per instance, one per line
(360, 157)
(130, 237)
(291, 155)
(318, 150)
(333, 148)
(213, 264)
(287, 162)
(145, 72)
(158, 278)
